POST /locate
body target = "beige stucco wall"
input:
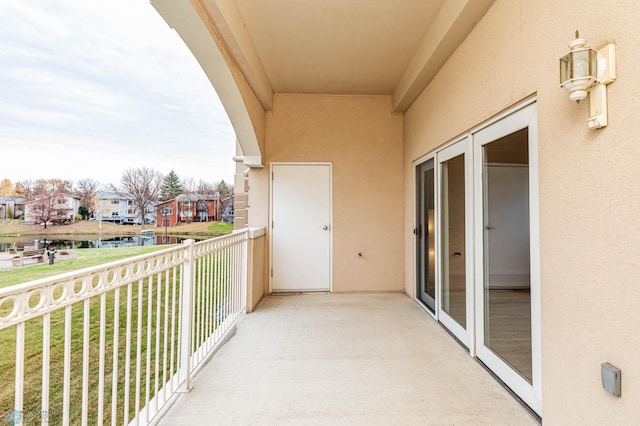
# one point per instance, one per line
(589, 188)
(363, 140)
(257, 285)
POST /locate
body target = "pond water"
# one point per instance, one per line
(63, 242)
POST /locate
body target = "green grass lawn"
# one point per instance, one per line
(221, 228)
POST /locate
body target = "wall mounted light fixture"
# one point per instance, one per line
(584, 71)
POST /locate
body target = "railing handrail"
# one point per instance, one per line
(30, 285)
(21, 293)
(26, 289)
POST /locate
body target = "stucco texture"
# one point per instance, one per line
(589, 187)
(363, 140)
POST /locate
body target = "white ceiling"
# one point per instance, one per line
(363, 47)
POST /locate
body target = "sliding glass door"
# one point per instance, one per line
(455, 241)
(507, 257)
(477, 246)
(425, 234)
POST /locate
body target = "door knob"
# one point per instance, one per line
(326, 227)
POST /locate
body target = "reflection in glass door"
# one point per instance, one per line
(455, 275)
(454, 301)
(507, 284)
(425, 234)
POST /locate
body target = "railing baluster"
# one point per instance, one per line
(216, 292)
(127, 357)
(46, 365)
(147, 373)
(166, 331)
(116, 344)
(211, 310)
(203, 301)
(225, 300)
(139, 347)
(197, 286)
(157, 333)
(173, 369)
(19, 384)
(85, 361)
(66, 392)
(103, 320)
(233, 279)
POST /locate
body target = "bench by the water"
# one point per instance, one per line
(21, 256)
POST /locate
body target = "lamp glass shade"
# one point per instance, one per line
(579, 66)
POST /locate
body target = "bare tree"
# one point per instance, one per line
(48, 186)
(142, 186)
(86, 190)
(206, 188)
(50, 207)
(188, 186)
(225, 194)
(26, 189)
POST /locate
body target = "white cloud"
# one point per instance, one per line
(90, 89)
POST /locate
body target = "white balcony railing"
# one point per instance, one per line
(114, 344)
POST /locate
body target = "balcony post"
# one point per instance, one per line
(186, 316)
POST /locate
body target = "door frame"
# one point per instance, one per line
(416, 291)
(270, 227)
(460, 146)
(517, 118)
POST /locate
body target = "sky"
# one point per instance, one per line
(89, 89)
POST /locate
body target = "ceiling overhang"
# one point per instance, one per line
(357, 47)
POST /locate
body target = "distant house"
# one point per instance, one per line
(227, 214)
(11, 207)
(188, 208)
(120, 209)
(54, 208)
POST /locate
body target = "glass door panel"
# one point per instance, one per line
(425, 234)
(507, 284)
(453, 246)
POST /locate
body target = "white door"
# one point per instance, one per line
(507, 253)
(455, 240)
(300, 227)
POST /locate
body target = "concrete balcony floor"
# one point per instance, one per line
(338, 359)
